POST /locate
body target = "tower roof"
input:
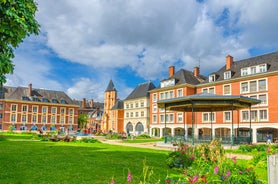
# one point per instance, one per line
(142, 90)
(110, 87)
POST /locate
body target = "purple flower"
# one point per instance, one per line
(129, 177)
(216, 169)
(223, 178)
(240, 172)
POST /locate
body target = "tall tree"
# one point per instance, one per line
(17, 21)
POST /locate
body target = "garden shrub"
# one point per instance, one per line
(143, 136)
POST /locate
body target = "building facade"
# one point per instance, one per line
(254, 77)
(136, 110)
(30, 109)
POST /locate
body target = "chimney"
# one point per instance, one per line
(229, 62)
(196, 71)
(171, 71)
(84, 103)
(30, 89)
(91, 103)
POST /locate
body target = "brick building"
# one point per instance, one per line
(255, 77)
(26, 108)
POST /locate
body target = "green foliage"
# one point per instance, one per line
(208, 166)
(143, 136)
(89, 140)
(17, 20)
(2, 138)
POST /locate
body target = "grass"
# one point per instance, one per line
(75, 162)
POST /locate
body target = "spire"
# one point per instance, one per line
(110, 87)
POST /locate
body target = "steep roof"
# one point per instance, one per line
(118, 105)
(110, 87)
(270, 59)
(142, 90)
(39, 95)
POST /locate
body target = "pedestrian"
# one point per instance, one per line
(268, 138)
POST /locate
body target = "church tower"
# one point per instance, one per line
(110, 98)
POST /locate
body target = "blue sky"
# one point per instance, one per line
(83, 44)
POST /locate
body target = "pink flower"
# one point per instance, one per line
(228, 173)
(129, 177)
(195, 178)
(240, 172)
(216, 169)
(112, 181)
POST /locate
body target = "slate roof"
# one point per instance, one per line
(110, 87)
(95, 104)
(142, 90)
(271, 59)
(118, 105)
(38, 95)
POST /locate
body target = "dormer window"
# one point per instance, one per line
(262, 68)
(212, 78)
(168, 83)
(55, 101)
(227, 75)
(244, 71)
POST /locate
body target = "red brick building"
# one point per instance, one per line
(25, 108)
(255, 77)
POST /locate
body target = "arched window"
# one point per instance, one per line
(129, 127)
(139, 127)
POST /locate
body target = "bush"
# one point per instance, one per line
(143, 136)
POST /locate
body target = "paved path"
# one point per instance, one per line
(157, 146)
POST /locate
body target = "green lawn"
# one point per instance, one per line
(61, 162)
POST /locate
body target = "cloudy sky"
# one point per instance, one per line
(83, 44)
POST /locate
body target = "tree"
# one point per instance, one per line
(82, 121)
(17, 21)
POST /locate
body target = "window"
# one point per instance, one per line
(53, 119)
(1, 116)
(227, 90)
(63, 102)
(24, 108)
(13, 107)
(171, 94)
(35, 99)
(154, 118)
(180, 118)
(23, 118)
(208, 117)
(227, 75)
(136, 105)
(180, 93)
(70, 111)
(263, 99)
(262, 68)
(154, 108)
(244, 71)
(227, 117)
(205, 90)
(244, 87)
(131, 106)
(162, 120)
(254, 116)
(142, 104)
(253, 70)
(263, 115)
(244, 115)
(154, 97)
(1, 106)
(212, 78)
(142, 113)
(35, 109)
(13, 117)
(44, 119)
(55, 101)
(70, 120)
(62, 120)
(167, 95)
(161, 96)
(131, 114)
(262, 85)
(53, 110)
(127, 106)
(44, 109)
(171, 117)
(211, 90)
(63, 110)
(45, 100)
(34, 119)
(253, 86)
(127, 115)
(136, 114)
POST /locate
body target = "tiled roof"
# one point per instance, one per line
(39, 95)
(142, 90)
(270, 59)
(118, 105)
(110, 87)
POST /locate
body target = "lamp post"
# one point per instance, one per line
(165, 138)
